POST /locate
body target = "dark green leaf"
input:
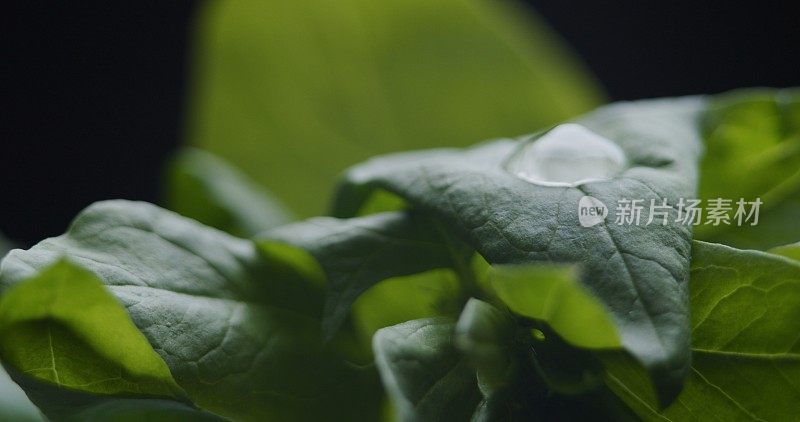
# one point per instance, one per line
(420, 368)
(203, 187)
(488, 338)
(296, 91)
(200, 298)
(423, 373)
(639, 272)
(357, 253)
(131, 410)
(60, 404)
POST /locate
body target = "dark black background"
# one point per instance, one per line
(93, 92)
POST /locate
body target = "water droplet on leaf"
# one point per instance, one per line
(567, 155)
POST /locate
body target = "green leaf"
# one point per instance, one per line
(568, 320)
(553, 294)
(130, 410)
(357, 253)
(485, 335)
(63, 327)
(754, 132)
(382, 201)
(400, 299)
(296, 91)
(489, 339)
(296, 281)
(422, 364)
(63, 332)
(204, 187)
(746, 357)
(789, 251)
(61, 404)
(200, 298)
(14, 404)
(480, 369)
(423, 373)
(639, 272)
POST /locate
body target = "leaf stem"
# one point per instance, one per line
(461, 263)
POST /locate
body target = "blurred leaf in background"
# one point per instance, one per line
(754, 132)
(209, 190)
(294, 91)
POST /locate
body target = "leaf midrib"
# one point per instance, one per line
(787, 356)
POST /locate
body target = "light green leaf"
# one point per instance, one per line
(553, 294)
(65, 334)
(296, 91)
(789, 251)
(754, 132)
(639, 272)
(62, 326)
(357, 253)
(746, 357)
(14, 404)
(382, 201)
(204, 187)
(400, 299)
(423, 373)
(568, 320)
(201, 299)
(67, 405)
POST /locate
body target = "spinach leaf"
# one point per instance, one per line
(199, 297)
(206, 188)
(60, 404)
(754, 132)
(294, 92)
(481, 369)
(746, 357)
(423, 373)
(357, 253)
(639, 272)
(73, 346)
(63, 327)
